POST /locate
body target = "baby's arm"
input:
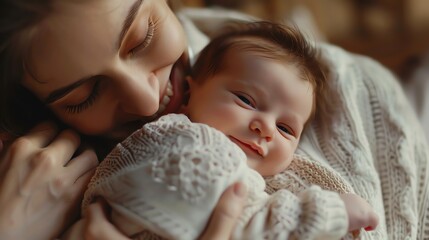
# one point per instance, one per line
(312, 214)
(360, 213)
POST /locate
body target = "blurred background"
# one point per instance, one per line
(394, 32)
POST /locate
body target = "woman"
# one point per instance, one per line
(107, 80)
(109, 94)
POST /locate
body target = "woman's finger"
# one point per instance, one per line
(47, 165)
(76, 176)
(226, 213)
(41, 135)
(79, 186)
(82, 169)
(22, 151)
(98, 227)
(84, 162)
(64, 146)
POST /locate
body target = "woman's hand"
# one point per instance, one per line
(226, 213)
(40, 187)
(96, 226)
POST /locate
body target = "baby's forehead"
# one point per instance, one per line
(257, 62)
(255, 45)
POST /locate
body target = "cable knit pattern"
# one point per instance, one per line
(167, 178)
(373, 140)
(369, 135)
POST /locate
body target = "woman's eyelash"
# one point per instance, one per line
(147, 40)
(88, 101)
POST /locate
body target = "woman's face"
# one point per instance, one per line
(104, 66)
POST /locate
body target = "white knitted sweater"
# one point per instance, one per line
(168, 176)
(369, 134)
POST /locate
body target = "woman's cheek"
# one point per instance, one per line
(170, 37)
(93, 121)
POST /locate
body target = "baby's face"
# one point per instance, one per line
(261, 104)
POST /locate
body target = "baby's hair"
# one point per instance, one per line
(265, 39)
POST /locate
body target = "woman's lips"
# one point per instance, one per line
(177, 80)
(167, 94)
(171, 104)
(248, 148)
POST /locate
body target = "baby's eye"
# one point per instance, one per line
(246, 100)
(285, 129)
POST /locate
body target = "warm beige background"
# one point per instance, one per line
(395, 32)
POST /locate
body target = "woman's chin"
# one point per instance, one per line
(120, 133)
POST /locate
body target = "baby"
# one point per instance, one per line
(256, 87)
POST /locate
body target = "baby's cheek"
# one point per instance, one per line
(285, 155)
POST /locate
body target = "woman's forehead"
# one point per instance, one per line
(74, 42)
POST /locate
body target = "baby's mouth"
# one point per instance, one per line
(248, 147)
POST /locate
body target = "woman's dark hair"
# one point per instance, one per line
(19, 108)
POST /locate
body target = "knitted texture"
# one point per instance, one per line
(167, 177)
(368, 134)
(302, 173)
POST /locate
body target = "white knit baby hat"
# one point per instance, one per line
(165, 177)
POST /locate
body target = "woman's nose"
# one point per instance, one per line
(264, 126)
(138, 93)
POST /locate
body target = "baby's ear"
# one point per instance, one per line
(184, 109)
(191, 83)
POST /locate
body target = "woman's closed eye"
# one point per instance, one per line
(88, 102)
(147, 40)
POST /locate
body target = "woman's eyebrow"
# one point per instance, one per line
(129, 20)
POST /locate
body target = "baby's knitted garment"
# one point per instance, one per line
(302, 173)
(369, 133)
(168, 176)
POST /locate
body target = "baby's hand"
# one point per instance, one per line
(360, 213)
